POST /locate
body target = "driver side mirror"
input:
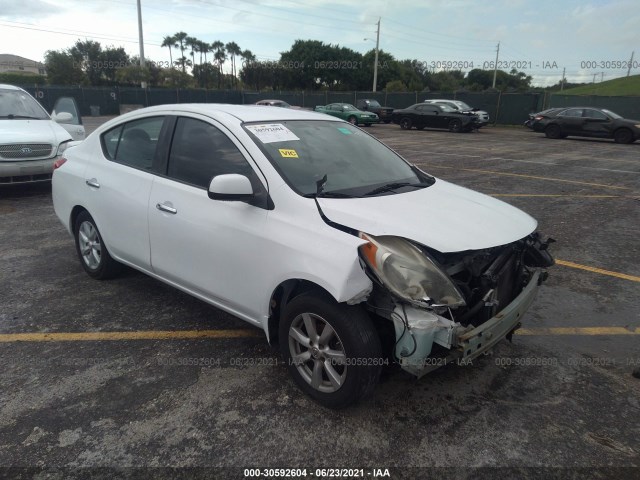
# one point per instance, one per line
(62, 117)
(230, 187)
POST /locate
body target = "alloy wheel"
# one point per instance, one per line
(90, 247)
(317, 352)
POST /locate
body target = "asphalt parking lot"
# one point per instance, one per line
(133, 373)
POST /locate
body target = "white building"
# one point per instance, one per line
(15, 64)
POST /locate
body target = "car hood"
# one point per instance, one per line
(445, 217)
(32, 131)
(630, 122)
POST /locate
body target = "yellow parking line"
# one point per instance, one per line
(578, 331)
(198, 334)
(535, 177)
(623, 276)
(139, 335)
(558, 195)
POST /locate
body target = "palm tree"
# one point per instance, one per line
(192, 43)
(219, 55)
(180, 39)
(248, 57)
(234, 49)
(203, 47)
(170, 42)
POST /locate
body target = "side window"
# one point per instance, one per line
(134, 143)
(572, 112)
(200, 151)
(110, 142)
(591, 113)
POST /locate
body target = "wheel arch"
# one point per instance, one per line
(75, 211)
(282, 295)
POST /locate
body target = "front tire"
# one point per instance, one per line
(92, 252)
(623, 135)
(455, 126)
(352, 120)
(405, 123)
(332, 350)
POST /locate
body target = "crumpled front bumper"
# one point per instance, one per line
(469, 343)
(477, 341)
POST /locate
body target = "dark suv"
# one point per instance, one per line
(371, 105)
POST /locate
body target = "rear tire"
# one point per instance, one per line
(623, 135)
(92, 252)
(553, 131)
(332, 350)
(405, 123)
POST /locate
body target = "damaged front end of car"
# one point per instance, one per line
(451, 307)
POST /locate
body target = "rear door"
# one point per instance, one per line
(570, 121)
(119, 183)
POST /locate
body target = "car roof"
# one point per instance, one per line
(6, 86)
(591, 108)
(244, 113)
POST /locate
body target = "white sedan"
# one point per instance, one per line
(346, 255)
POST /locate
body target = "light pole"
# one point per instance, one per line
(143, 84)
(375, 64)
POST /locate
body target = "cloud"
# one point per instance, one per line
(25, 9)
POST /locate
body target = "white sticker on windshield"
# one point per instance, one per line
(273, 132)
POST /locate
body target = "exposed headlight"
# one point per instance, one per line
(409, 273)
(62, 147)
(637, 125)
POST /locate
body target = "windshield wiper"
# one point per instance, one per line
(320, 193)
(11, 116)
(390, 187)
(329, 195)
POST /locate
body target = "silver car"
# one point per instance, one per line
(30, 140)
(483, 117)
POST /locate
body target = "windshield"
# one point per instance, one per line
(447, 108)
(611, 114)
(374, 103)
(304, 151)
(347, 108)
(463, 105)
(18, 104)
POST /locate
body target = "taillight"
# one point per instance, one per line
(58, 163)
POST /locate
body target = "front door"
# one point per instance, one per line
(209, 247)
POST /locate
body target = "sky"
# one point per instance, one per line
(591, 39)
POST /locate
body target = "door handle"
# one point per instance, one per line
(92, 183)
(166, 208)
